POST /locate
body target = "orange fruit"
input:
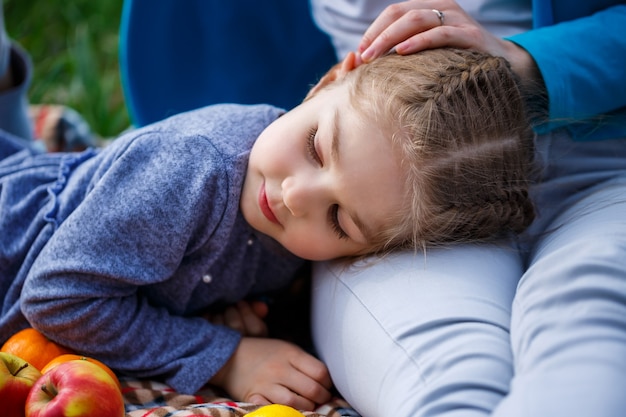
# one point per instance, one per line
(35, 348)
(71, 356)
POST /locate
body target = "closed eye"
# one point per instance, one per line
(310, 146)
(333, 219)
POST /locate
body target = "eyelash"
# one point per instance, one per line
(334, 222)
(310, 146)
(332, 213)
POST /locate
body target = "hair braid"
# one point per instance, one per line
(460, 121)
(479, 168)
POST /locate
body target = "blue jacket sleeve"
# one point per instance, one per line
(583, 64)
(145, 212)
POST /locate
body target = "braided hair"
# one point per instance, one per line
(459, 120)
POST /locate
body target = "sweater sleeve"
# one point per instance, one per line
(151, 206)
(583, 64)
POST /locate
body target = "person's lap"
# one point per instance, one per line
(568, 330)
(417, 334)
(428, 335)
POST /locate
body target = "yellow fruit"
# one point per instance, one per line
(275, 410)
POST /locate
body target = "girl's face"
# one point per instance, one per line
(321, 179)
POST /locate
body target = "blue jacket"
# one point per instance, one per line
(580, 49)
(114, 253)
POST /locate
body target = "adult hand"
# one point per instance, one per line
(414, 25)
(245, 317)
(264, 371)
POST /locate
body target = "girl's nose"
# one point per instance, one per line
(301, 195)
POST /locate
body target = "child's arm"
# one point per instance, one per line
(264, 371)
(115, 280)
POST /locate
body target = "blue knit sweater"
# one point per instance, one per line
(114, 252)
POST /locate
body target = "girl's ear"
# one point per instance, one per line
(338, 71)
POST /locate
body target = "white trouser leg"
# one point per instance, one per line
(568, 331)
(416, 335)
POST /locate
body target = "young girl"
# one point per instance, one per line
(117, 252)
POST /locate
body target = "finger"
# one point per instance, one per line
(413, 23)
(385, 19)
(260, 308)
(258, 399)
(302, 388)
(313, 368)
(233, 319)
(304, 382)
(311, 392)
(357, 60)
(444, 36)
(301, 403)
(253, 325)
(279, 394)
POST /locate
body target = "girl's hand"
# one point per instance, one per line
(412, 26)
(265, 371)
(245, 317)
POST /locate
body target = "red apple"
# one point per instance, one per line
(16, 379)
(75, 388)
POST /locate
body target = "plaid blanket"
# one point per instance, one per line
(154, 399)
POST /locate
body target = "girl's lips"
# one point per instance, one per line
(265, 206)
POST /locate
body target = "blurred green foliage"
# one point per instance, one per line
(74, 48)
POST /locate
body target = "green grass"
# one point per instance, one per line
(74, 48)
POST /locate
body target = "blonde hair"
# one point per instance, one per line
(459, 121)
